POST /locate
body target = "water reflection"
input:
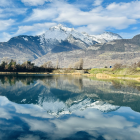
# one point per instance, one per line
(68, 91)
(66, 107)
(25, 122)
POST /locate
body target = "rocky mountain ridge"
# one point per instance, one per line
(68, 45)
(125, 51)
(57, 39)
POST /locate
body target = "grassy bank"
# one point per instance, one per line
(123, 73)
(100, 73)
(56, 71)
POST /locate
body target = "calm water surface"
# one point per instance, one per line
(68, 108)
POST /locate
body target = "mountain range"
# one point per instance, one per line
(68, 45)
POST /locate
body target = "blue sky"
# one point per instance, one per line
(33, 17)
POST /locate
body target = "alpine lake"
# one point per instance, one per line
(62, 107)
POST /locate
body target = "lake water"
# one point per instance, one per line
(68, 108)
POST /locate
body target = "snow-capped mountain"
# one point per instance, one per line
(58, 108)
(108, 36)
(55, 40)
(60, 33)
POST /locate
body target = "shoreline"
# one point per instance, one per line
(98, 75)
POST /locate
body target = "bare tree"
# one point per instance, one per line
(76, 65)
(57, 64)
(28, 65)
(138, 64)
(133, 68)
(70, 66)
(47, 65)
(6, 60)
(79, 64)
(12, 64)
(117, 66)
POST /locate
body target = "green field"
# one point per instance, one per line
(123, 72)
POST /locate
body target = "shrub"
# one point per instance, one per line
(117, 66)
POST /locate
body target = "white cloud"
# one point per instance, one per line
(98, 19)
(39, 125)
(134, 28)
(36, 28)
(12, 12)
(4, 114)
(91, 121)
(4, 37)
(129, 10)
(5, 24)
(94, 21)
(42, 14)
(95, 123)
(35, 2)
(97, 2)
(6, 3)
(29, 137)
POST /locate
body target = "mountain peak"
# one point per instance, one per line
(61, 27)
(112, 34)
(60, 33)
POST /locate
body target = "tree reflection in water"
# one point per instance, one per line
(68, 107)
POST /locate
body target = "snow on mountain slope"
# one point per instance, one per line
(61, 33)
(108, 36)
(105, 37)
(56, 39)
(58, 108)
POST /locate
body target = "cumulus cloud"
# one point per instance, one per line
(95, 20)
(91, 121)
(39, 125)
(95, 123)
(35, 2)
(129, 10)
(116, 15)
(97, 2)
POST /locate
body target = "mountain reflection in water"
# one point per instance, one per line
(68, 107)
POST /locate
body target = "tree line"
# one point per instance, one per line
(28, 66)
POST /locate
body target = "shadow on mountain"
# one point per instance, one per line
(64, 47)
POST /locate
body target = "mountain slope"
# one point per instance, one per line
(99, 55)
(57, 39)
